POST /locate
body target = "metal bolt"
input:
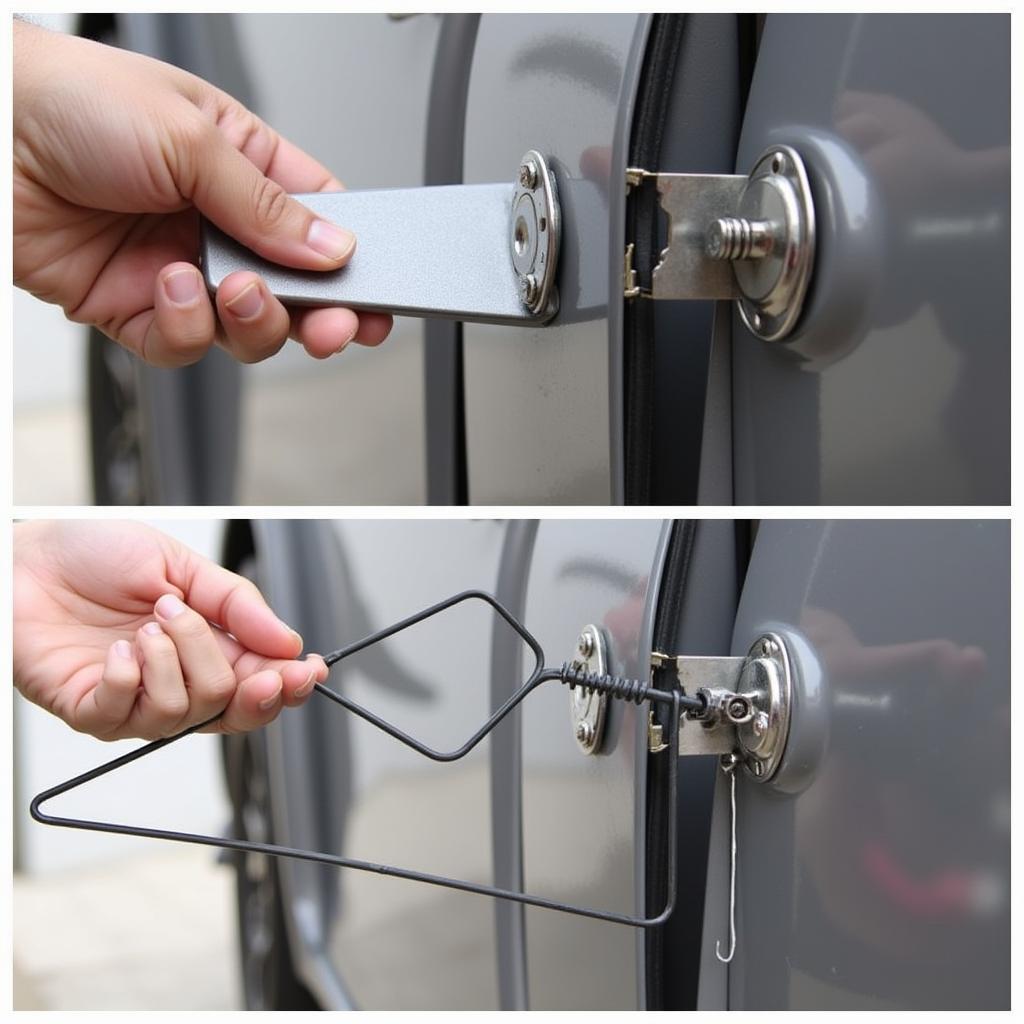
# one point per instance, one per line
(585, 733)
(768, 647)
(757, 767)
(528, 174)
(585, 645)
(738, 709)
(760, 725)
(778, 163)
(755, 321)
(736, 238)
(529, 289)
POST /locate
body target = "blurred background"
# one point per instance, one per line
(136, 915)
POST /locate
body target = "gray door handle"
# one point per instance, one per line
(480, 253)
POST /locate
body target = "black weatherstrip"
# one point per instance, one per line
(649, 115)
(444, 407)
(670, 607)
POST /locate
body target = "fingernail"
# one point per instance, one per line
(330, 240)
(182, 287)
(168, 606)
(344, 345)
(266, 705)
(248, 303)
(307, 686)
(297, 636)
(123, 649)
(152, 628)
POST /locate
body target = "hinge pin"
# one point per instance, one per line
(736, 238)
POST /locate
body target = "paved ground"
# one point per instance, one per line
(149, 933)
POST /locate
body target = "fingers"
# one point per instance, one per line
(326, 332)
(255, 323)
(183, 326)
(261, 695)
(209, 677)
(255, 704)
(236, 605)
(226, 186)
(106, 708)
(163, 705)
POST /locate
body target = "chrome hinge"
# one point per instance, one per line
(734, 236)
(746, 704)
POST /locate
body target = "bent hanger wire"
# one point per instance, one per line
(614, 686)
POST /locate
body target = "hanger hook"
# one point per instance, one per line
(728, 764)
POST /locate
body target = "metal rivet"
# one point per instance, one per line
(585, 645)
(778, 163)
(757, 768)
(528, 174)
(760, 724)
(529, 289)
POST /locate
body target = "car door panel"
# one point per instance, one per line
(581, 813)
(875, 872)
(537, 400)
(351, 790)
(894, 388)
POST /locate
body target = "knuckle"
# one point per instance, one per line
(270, 203)
(219, 686)
(190, 343)
(190, 625)
(170, 709)
(159, 648)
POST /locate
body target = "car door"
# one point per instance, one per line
(895, 388)
(560, 413)
(338, 785)
(874, 870)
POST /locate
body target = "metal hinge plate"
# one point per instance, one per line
(732, 236)
(747, 705)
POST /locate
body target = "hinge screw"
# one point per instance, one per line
(528, 289)
(585, 645)
(585, 733)
(736, 238)
(760, 725)
(528, 174)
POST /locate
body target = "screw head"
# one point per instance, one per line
(755, 321)
(760, 724)
(738, 709)
(757, 767)
(585, 645)
(768, 647)
(778, 162)
(585, 733)
(528, 174)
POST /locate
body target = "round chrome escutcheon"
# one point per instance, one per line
(534, 233)
(587, 708)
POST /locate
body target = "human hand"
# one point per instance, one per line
(115, 157)
(122, 631)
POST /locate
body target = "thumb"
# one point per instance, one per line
(231, 191)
